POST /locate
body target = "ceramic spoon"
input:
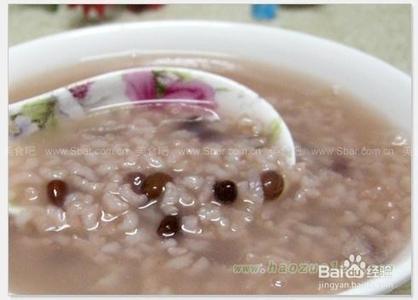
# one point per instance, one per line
(157, 86)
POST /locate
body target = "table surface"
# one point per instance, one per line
(382, 30)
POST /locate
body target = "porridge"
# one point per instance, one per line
(179, 200)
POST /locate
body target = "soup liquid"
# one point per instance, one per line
(357, 192)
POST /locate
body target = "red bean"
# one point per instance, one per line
(225, 191)
(340, 165)
(154, 184)
(136, 180)
(273, 184)
(169, 227)
(57, 190)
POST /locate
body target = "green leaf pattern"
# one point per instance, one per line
(274, 131)
(33, 116)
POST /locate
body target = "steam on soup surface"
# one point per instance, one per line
(145, 200)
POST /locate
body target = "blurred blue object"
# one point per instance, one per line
(264, 11)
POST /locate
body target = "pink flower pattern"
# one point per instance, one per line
(80, 91)
(189, 90)
(140, 86)
(148, 85)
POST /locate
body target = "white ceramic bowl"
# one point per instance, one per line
(384, 88)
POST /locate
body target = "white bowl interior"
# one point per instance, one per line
(384, 88)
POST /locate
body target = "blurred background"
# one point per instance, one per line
(383, 30)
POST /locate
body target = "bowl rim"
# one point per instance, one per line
(378, 286)
(68, 34)
(400, 81)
